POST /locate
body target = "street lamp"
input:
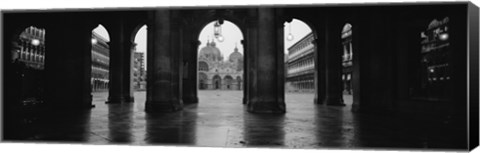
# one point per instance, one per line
(35, 42)
(94, 41)
(217, 31)
(290, 36)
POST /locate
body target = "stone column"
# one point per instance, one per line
(68, 65)
(164, 93)
(190, 81)
(333, 54)
(246, 60)
(268, 75)
(120, 88)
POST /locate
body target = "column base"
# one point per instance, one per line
(126, 99)
(190, 100)
(266, 106)
(163, 106)
(334, 101)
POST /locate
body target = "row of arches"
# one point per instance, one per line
(345, 39)
(216, 82)
(102, 64)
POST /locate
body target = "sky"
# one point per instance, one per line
(231, 33)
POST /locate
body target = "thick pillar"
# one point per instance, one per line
(120, 76)
(164, 81)
(246, 61)
(68, 65)
(268, 74)
(360, 62)
(333, 71)
(190, 82)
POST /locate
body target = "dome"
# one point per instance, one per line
(235, 56)
(211, 52)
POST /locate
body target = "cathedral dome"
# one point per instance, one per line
(211, 52)
(235, 56)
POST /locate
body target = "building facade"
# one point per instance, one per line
(139, 73)
(215, 73)
(30, 48)
(100, 63)
(28, 58)
(301, 66)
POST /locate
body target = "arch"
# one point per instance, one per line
(100, 55)
(101, 30)
(239, 83)
(202, 79)
(217, 82)
(347, 57)
(239, 78)
(228, 82)
(26, 48)
(203, 66)
(301, 55)
(140, 56)
(233, 25)
(138, 29)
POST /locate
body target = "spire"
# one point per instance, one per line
(236, 49)
(208, 40)
(213, 42)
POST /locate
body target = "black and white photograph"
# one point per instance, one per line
(349, 76)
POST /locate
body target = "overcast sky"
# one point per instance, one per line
(230, 32)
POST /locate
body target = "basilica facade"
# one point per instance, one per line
(216, 73)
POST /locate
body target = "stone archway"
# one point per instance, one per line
(216, 82)
(228, 82)
(202, 79)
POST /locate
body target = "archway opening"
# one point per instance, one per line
(28, 57)
(139, 64)
(217, 82)
(300, 62)
(220, 60)
(100, 50)
(347, 63)
(228, 82)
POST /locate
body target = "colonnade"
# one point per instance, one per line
(172, 47)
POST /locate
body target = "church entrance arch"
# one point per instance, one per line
(217, 82)
(228, 82)
(202, 78)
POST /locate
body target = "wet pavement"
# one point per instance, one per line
(221, 120)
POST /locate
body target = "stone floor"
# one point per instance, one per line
(220, 120)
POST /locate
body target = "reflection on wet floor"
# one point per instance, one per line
(220, 120)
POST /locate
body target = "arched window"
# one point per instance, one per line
(100, 56)
(202, 79)
(228, 81)
(217, 82)
(202, 66)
